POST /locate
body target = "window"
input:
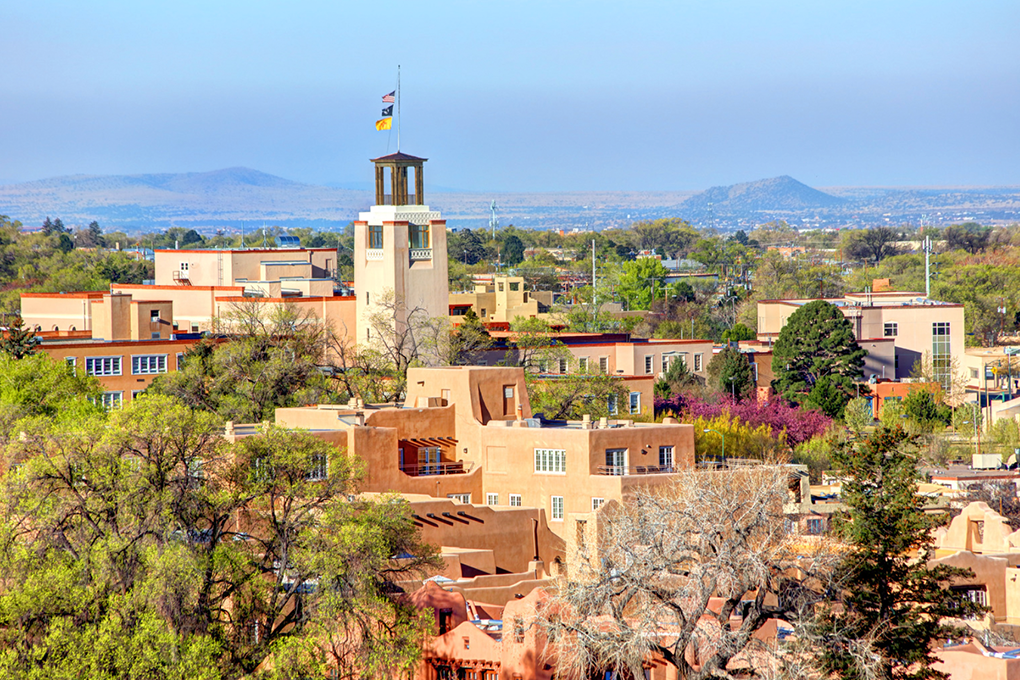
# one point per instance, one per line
(582, 364)
(891, 330)
(500, 286)
(419, 236)
(649, 363)
(180, 360)
(635, 402)
(147, 364)
(666, 358)
(557, 508)
(492, 499)
(71, 361)
(136, 393)
(973, 373)
(940, 353)
(611, 405)
(508, 392)
(462, 497)
(515, 500)
(604, 364)
(154, 335)
(550, 460)
(616, 461)
(597, 503)
(112, 400)
(697, 362)
(184, 267)
(563, 366)
(375, 241)
(102, 365)
(194, 328)
(814, 527)
(154, 316)
(318, 468)
(666, 456)
(515, 286)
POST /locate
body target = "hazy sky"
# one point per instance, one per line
(506, 96)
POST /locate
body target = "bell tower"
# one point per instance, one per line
(399, 250)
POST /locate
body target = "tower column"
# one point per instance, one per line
(419, 187)
(380, 185)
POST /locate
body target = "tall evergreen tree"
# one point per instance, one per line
(731, 373)
(894, 606)
(817, 342)
(18, 341)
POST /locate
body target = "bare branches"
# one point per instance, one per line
(688, 574)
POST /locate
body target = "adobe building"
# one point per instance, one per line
(399, 250)
(467, 433)
(896, 328)
(501, 299)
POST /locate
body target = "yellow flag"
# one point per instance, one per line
(383, 124)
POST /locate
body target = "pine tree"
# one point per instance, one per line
(893, 607)
(18, 341)
(817, 341)
(730, 372)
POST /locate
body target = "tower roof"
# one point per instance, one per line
(398, 156)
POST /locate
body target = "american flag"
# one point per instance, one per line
(388, 98)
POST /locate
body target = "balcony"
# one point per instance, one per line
(421, 254)
(429, 469)
(626, 471)
(375, 254)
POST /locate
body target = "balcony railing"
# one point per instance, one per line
(421, 254)
(427, 469)
(373, 254)
(624, 470)
(388, 199)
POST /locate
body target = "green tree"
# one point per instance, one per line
(730, 372)
(924, 409)
(571, 396)
(738, 332)
(271, 360)
(858, 414)
(513, 250)
(676, 379)
(147, 546)
(640, 280)
(36, 386)
(870, 245)
(969, 236)
(18, 341)
(893, 605)
(817, 342)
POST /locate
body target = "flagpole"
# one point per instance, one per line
(398, 108)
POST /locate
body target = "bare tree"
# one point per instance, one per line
(687, 574)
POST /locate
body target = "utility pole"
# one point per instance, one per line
(927, 266)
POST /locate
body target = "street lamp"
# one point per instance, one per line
(708, 429)
(733, 387)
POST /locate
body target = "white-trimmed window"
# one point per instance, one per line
(112, 400)
(597, 503)
(697, 362)
(604, 364)
(890, 329)
(103, 365)
(550, 460)
(563, 365)
(649, 363)
(71, 361)
(153, 316)
(582, 364)
(462, 497)
(666, 456)
(557, 508)
(318, 467)
(611, 405)
(185, 266)
(492, 499)
(180, 360)
(515, 500)
(635, 402)
(148, 364)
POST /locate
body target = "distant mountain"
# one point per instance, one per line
(217, 199)
(778, 194)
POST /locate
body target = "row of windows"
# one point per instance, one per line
(667, 359)
(145, 364)
(418, 236)
(550, 460)
(515, 502)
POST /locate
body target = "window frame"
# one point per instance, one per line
(515, 500)
(890, 329)
(649, 363)
(550, 461)
(119, 360)
(492, 499)
(634, 404)
(375, 237)
(135, 363)
(553, 515)
(597, 502)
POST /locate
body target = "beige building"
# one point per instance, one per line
(897, 328)
(400, 263)
(502, 299)
(467, 433)
(269, 272)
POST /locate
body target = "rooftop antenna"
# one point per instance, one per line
(493, 221)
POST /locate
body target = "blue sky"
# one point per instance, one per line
(518, 96)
